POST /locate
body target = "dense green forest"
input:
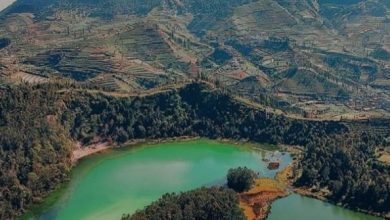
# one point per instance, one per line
(347, 168)
(38, 122)
(35, 150)
(191, 111)
(204, 203)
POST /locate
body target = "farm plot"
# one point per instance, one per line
(144, 43)
(78, 64)
(30, 78)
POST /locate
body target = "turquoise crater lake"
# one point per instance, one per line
(105, 186)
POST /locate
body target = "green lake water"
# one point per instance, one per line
(304, 208)
(105, 186)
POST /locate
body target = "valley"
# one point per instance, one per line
(195, 110)
(83, 77)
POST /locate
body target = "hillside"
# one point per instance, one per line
(129, 46)
(312, 73)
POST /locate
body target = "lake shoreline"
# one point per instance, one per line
(283, 176)
(181, 153)
(322, 197)
(82, 151)
(321, 194)
(288, 176)
(256, 203)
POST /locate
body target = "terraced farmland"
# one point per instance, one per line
(145, 43)
(31, 78)
(78, 64)
(303, 81)
(106, 82)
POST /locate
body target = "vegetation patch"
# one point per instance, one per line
(204, 203)
(241, 179)
(220, 56)
(346, 169)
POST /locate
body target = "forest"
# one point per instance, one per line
(191, 111)
(38, 125)
(35, 150)
(216, 203)
(346, 167)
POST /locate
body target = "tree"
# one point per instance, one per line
(241, 179)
